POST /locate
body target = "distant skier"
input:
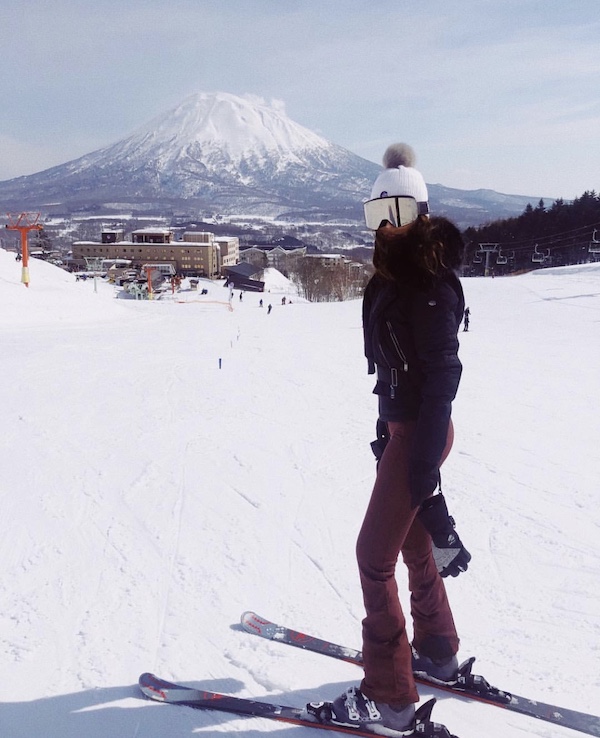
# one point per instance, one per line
(412, 309)
(269, 308)
(466, 319)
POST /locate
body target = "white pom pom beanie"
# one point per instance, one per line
(399, 176)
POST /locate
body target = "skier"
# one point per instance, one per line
(467, 318)
(412, 310)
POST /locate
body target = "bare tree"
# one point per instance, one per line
(319, 281)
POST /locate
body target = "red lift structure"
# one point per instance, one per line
(24, 222)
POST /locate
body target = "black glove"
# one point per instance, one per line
(450, 556)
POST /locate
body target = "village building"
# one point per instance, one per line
(198, 253)
(277, 257)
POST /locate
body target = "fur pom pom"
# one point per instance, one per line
(399, 154)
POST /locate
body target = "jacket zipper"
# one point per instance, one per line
(401, 355)
(399, 351)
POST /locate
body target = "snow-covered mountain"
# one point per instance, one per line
(218, 152)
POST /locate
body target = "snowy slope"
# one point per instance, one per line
(149, 497)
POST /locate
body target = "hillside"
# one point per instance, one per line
(167, 465)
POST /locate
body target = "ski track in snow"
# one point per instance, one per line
(149, 497)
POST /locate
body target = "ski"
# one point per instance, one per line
(177, 694)
(467, 685)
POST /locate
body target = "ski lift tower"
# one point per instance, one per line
(24, 222)
(488, 249)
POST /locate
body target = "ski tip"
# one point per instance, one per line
(253, 623)
(151, 686)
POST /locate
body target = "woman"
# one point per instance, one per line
(412, 309)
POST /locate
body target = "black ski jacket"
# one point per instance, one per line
(411, 343)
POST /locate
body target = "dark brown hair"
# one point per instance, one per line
(429, 248)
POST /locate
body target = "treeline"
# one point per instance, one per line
(564, 233)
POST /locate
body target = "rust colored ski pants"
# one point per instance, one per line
(390, 528)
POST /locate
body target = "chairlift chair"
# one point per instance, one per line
(594, 247)
(537, 257)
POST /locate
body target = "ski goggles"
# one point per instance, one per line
(399, 211)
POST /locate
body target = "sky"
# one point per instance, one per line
(503, 95)
(169, 464)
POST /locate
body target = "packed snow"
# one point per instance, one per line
(168, 464)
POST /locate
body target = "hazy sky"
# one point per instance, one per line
(501, 94)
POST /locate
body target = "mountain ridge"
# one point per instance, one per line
(218, 152)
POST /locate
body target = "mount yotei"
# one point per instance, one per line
(220, 153)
